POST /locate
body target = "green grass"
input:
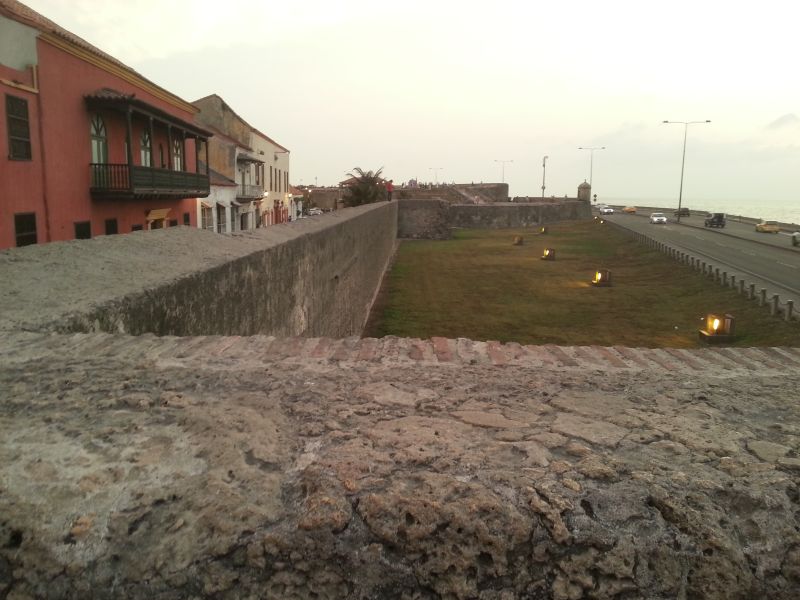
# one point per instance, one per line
(479, 285)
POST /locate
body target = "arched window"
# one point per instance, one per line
(99, 140)
(177, 155)
(146, 147)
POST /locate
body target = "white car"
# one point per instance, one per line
(606, 210)
(658, 218)
(314, 211)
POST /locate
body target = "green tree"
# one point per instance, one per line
(366, 187)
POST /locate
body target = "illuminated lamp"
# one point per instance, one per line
(549, 254)
(543, 229)
(717, 329)
(602, 278)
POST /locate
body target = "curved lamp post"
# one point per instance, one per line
(683, 159)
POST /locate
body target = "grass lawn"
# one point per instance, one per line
(478, 285)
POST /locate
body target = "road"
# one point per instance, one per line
(766, 259)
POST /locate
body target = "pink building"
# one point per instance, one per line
(87, 145)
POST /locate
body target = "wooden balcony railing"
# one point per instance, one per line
(121, 180)
(249, 191)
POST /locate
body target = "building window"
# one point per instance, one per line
(136, 227)
(83, 230)
(99, 140)
(146, 149)
(187, 219)
(161, 154)
(19, 131)
(25, 228)
(177, 155)
(270, 178)
(111, 227)
(286, 180)
(206, 218)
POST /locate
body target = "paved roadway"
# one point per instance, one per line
(766, 259)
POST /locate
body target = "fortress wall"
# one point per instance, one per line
(319, 284)
(423, 219)
(432, 219)
(313, 277)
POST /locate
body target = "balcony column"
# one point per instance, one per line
(152, 142)
(196, 154)
(208, 165)
(170, 160)
(183, 151)
(129, 140)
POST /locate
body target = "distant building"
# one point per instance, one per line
(258, 165)
(87, 145)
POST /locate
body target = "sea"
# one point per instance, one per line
(783, 210)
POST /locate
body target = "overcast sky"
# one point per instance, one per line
(458, 85)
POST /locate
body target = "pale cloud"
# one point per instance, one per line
(790, 120)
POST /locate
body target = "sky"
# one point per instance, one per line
(443, 90)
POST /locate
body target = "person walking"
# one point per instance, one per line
(389, 189)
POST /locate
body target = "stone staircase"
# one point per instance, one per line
(241, 352)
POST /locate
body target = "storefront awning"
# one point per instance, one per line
(158, 214)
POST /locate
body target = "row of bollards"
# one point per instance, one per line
(723, 277)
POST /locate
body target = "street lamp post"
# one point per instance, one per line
(591, 158)
(435, 173)
(683, 158)
(503, 162)
(544, 171)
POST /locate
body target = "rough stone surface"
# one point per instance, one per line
(310, 277)
(228, 468)
(434, 218)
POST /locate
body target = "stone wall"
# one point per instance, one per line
(313, 277)
(423, 219)
(324, 198)
(432, 219)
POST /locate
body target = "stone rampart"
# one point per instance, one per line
(423, 219)
(514, 214)
(285, 468)
(317, 276)
(433, 219)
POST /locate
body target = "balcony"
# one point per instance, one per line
(121, 181)
(249, 192)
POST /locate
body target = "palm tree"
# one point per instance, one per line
(364, 187)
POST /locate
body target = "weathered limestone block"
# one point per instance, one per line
(125, 475)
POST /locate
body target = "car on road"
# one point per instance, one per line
(768, 227)
(606, 210)
(631, 210)
(658, 218)
(714, 220)
(314, 211)
(683, 212)
(796, 238)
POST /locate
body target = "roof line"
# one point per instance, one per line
(65, 40)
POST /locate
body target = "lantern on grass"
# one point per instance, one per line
(717, 329)
(549, 254)
(602, 278)
(543, 229)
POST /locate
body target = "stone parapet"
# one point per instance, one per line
(148, 467)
